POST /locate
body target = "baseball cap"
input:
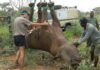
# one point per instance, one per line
(24, 12)
(83, 20)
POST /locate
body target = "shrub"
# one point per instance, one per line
(75, 30)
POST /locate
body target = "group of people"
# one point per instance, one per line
(91, 34)
(22, 27)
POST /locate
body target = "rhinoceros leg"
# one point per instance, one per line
(44, 12)
(56, 22)
(68, 53)
(31, 5)
(39, 20)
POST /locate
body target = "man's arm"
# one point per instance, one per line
(77, 43)
(32, 25)
(97, 24)
(40, 24)
(87, 35)
(82, 35)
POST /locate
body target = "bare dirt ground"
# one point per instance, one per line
(6, 62)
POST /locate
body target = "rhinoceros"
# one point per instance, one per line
(51, 39)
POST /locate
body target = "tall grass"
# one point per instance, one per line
(73, 31)
(4, 36)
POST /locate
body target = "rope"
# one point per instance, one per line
(45, 7)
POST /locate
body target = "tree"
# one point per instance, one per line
(18, 4)
(4, 5)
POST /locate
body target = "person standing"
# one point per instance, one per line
(22, 27)
(92, 19)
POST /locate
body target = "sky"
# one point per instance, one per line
(82, 5)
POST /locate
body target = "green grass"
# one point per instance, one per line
(4, 36)
(75, 30)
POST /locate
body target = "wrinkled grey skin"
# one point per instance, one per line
(51, 39)
(52, 42)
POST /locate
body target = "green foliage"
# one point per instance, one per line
(98, 18)
(4, 36)
(2, 13)
(73, 31)
(30, 58)
(37, 57)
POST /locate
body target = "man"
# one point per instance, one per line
(92, 34)
(21, 28)
(93, 20)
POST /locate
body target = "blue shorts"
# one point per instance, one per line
(19, 40)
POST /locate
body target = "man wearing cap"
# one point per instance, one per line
(21, 27)
(90, 33)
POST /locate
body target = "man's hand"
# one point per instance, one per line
(76, 44)
(41, 24)
(37, 25)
